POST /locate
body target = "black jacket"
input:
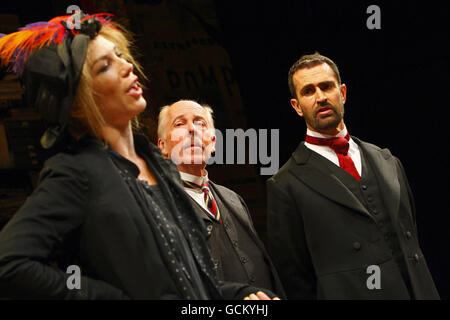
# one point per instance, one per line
(83, 207)
(237, 213)
(322, 239)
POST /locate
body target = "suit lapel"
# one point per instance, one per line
(384, 168)
(308, 170)
(236, 208)
(232, 202)
(225, 197)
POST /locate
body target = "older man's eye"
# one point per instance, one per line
(200, 123)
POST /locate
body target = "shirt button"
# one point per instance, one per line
(416, 257)
(357, 246)
(243, 259)
(235, 243)
(408, 234)
(364, 187)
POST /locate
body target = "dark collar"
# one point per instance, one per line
(146, 149)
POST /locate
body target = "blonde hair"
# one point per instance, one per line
(85, 115)
(162, 117)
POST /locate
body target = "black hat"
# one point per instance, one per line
(49, 58)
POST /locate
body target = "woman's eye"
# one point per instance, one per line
(104, 68)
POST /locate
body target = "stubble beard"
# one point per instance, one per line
(328, 122)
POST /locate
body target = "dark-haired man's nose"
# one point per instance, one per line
(320, 96)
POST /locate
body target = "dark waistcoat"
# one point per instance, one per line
(236, 256)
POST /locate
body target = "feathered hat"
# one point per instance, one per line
(49, 57)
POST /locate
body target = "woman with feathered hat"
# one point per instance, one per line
(108, 202)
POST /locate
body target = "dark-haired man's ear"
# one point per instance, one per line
(296, 105)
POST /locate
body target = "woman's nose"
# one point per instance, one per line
(127, 68)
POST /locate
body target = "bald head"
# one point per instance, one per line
(186, 135)
(168, 111)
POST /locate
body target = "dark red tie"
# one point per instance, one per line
(340, 146)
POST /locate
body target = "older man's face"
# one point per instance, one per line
(189, 137)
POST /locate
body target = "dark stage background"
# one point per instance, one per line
(397, 79)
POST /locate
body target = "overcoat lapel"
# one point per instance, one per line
(326, 184)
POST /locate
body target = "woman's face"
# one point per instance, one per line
(116, 88)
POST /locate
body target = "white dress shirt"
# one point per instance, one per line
(195, 194)
(327, 152)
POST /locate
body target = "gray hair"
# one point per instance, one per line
(162, 117)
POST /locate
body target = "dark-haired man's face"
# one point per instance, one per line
(320, 99)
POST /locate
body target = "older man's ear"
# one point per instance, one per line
(162, 147)
(213, 149)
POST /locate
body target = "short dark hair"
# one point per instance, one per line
(307, 61)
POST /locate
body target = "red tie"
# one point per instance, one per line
(340, 146)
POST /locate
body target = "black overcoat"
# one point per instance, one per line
(83, 207)
(322, 239)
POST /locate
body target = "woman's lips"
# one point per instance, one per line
(135, 90)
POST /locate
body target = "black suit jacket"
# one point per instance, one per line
(322, 239)
(83, 205)
(240, 213)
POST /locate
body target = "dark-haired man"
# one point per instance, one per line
(341, 216)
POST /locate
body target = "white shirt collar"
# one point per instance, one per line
(311, 133)
(194, 179)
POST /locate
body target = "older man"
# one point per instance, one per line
(186, 135)
(341, 216)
